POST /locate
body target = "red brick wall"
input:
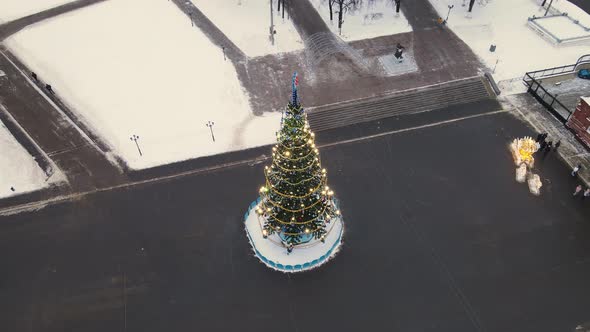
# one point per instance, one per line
(580, 121)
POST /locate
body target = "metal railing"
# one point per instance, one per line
(556, 70)
(559, 110)
(553, 105)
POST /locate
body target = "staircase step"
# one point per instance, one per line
(406, 102)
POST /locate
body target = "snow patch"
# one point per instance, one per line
(18, 169)
(247, 24)
(504, 24)
(162, 82)
(374, 19)
(274, 255)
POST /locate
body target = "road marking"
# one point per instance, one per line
(32, 206)
(392, 132)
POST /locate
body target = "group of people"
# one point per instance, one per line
(47, 86)
(546, 146)
(579, 187)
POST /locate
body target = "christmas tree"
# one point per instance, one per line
(296, 202)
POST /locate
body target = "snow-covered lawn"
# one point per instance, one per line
(562, 27)
(247, 22)
(370, 21)
(147, 73)
(504, 24)
(17, 167)
(13, 9)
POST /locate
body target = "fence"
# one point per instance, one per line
(552, 104)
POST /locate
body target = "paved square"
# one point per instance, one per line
(439, 237)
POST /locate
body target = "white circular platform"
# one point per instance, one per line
(304, 257)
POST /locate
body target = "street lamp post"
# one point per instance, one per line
(449, 13)
(210, 125)
(135, 138)
(494, 71)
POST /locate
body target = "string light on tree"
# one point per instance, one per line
(295, 224)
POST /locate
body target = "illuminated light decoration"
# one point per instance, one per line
(296, 203)
(522, 150)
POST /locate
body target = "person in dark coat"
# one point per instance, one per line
(542, 144)
(578, 190)
(49, 88)
(539, 137)
(34, 76)
(548, 147)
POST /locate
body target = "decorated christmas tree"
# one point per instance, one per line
(296, 202)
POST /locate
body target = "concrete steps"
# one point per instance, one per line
(405, 102)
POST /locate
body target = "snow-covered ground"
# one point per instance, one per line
(147, 73)
(304, 257)
(504, 24)
(247, 23)
(372, 20)
(13, 9)
(562, 27)
(17, 167)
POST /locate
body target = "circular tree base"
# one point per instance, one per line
(273, 253)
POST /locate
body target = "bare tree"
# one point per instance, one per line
(331, 8)
(283, 13)
(344, 6)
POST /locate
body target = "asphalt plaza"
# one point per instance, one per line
(439, 237)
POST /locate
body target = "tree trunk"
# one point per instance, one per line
(397, 2)
(340, 21)
(330, 2)
(278, 6)
(471, 3)
(283, 14)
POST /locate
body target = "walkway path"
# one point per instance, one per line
(78, 156)
(12, 27)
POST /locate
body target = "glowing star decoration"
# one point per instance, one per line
(523, 149)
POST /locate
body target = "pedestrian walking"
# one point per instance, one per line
(545, 136)
(557, 145)
(399, 51)
(539, 137)
(289, 248)
(576, 169)
(34, 76)
(12, 189)
(586, 193)
(49, 88)
(578, 190)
